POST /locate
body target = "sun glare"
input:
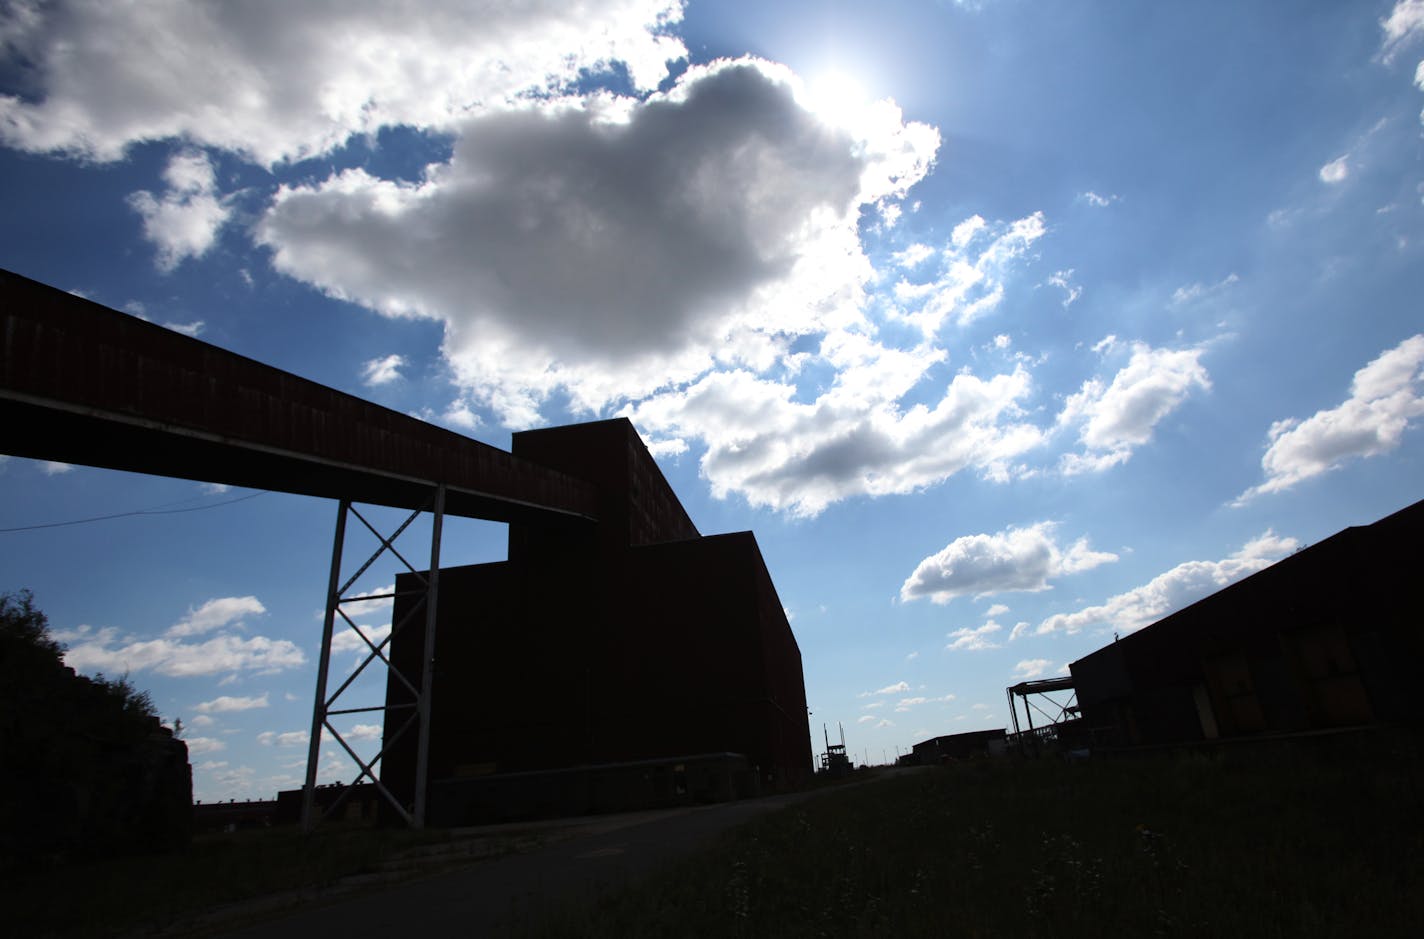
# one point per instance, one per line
(837, 97)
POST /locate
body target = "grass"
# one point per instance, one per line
(1324, 838)
(1318, 839)
(117, 896)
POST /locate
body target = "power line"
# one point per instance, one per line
(157, 510)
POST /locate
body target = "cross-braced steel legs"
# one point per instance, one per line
(1059, 711)
(417, 714)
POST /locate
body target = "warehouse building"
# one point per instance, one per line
(975, 743)
(1325, 639)
(627, 664)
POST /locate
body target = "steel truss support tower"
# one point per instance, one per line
(417, 714)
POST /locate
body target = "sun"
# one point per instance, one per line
(837, 97)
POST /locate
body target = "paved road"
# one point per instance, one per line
(506, 895)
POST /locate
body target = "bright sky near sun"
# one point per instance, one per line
(1005, 325)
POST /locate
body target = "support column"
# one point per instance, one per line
(416, 713)
(333, 598)
(427, 678)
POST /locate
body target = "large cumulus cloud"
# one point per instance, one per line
(694, 257)
(1017, 559)
(277, 81)
(609, 247)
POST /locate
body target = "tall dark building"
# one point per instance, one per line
(631, 641)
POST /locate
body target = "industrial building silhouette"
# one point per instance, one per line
(616, 652)
(1327, 638)
(625, 664)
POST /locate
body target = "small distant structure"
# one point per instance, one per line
(238, 816)
(1058, 717)
(835, 761)
(1324, 640)
(359, 802)
(970, 745)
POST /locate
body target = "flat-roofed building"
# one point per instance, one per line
(633, 641)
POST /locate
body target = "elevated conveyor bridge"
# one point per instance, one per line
(82, 383)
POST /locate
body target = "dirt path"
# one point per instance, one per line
(506, 895)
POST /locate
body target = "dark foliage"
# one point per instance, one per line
(22, 627)
(85, 767)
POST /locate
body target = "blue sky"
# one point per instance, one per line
(1006, 326)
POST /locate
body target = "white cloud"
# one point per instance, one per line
(915, 255)
(378, 601)
(968, 280)
(1404, 24)
(382, 371)
(275, 81)
(102, 651)
(1168, 592)
(896, 688)
(905, 704)
(1196, 291)
(1032, 668)
(202, 720)
(1097, 201)
(184, 221)
(193, 329)
(1117, 417)
(872, 705)
(855, 438)
(291, 738)
(363, 732)
(974, 640)
(225, 703)
(865, 718)
(998, 609)
(218, 613)
(1064, 281)
(609, 247)
(198, 745)
(1336, 171)
(1016, 559)
(1385, 397)
(912, 656)
(52, 468)
(348, 640)
(459, 414)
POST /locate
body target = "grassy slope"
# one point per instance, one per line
(148, 892)
(1321, 840)
(1325, 839)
